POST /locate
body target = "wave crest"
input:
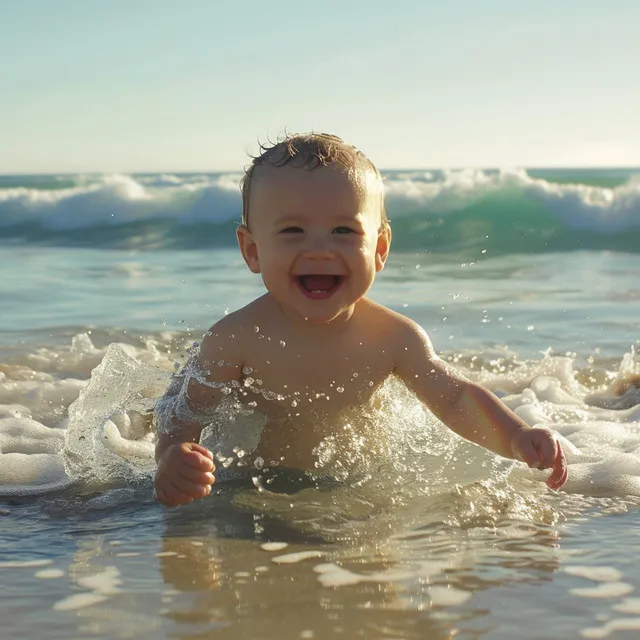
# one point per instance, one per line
(503, 211)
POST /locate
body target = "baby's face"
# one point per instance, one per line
(316, 237)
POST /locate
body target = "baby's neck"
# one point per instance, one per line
(303, 326)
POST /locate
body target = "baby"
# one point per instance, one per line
(314, 227)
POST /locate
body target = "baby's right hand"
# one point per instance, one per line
(184, 474)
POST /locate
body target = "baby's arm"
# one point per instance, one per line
(472, 411)
(185, 469)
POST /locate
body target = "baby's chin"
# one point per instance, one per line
(319, 317)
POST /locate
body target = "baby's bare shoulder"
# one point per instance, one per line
(377, 315)
(397, 331)
(230, 336)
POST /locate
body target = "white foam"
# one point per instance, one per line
(24, 435)
(114, 199)
(25, 474)
(49, 574)
(43, 398)
(17, 564)
(597, 574)
(128, 449)
(14, 411)
(628, 605)
(332, 575)
(108, 439)
(118, 383)
(448, 596)
(273, 546)
(299, 556)
(106, 582)
(120, 199)
(618, 624)
(579, 206)
(78, 601)
(605, 590)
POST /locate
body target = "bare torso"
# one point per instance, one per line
(310, 389)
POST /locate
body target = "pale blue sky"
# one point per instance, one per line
(159, 85)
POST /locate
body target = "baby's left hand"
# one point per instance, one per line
(538, 448)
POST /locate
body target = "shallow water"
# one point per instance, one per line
(132, 569)
(439, 539)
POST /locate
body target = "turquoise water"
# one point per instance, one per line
(584, 302)
(105, 281)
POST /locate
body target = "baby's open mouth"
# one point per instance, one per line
(319, 285)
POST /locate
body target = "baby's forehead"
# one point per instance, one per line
(345, 181)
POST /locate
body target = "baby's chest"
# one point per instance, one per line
(293, 380)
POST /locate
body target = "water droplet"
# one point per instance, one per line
(355, 375)
(247, 370)
(258, 462)
(248, 382)
(294, 403)
(340, 389)
(256, 328)
(283, 343)
(252, 404)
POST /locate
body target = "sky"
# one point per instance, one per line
(159, 85)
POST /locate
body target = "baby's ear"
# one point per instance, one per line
(383, 246)
(248, 248)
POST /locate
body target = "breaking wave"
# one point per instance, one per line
(466, 211)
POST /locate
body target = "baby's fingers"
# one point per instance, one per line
(198, 460)
(548, 448)
(198, 477)
(525, 451)
(559, 471)
(203, 450)
(191, 489)
(171, 496)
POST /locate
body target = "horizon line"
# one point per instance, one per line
(383, 170)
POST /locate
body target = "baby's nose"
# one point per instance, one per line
(319, 248)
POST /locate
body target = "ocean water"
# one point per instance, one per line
(528, 281)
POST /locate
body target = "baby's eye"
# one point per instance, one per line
(291, 230)
(344, 230)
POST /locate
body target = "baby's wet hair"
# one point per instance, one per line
(310, 151)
